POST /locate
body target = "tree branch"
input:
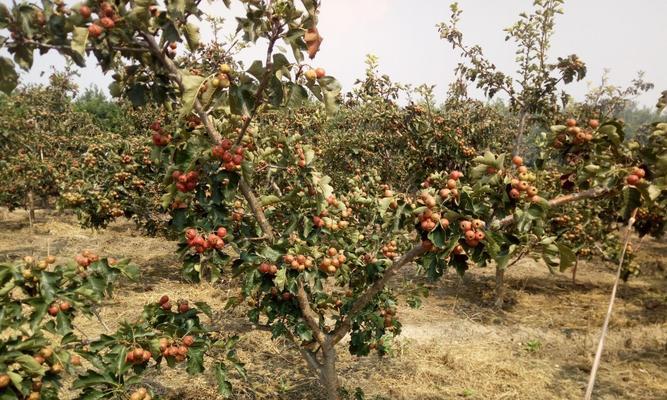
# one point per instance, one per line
(373, 290)
(557, 201)
(45, 46)
(213, 133)
(310, 316)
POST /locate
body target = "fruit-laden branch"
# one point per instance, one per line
(560, 200)
(311, 317)
(45, 46)
(213, 133)
(373, 290)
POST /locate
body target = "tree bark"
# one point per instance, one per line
(328, 375)
(31, 208)
(500, 288)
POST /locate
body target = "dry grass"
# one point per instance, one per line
(454, 346)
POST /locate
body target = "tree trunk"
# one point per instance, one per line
(500, 286)
(31, 208)
(328, 375)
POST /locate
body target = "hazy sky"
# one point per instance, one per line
(623, 36)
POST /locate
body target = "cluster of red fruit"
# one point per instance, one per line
(173, 349)
(41, 264)
(214, 240)
(185, 182)
(222, 79)
(635, 176)
(57, 307)
(451, 190)
(578, 135)
(165, 304)
(268, 269)
(231, 158)
(388, 315)
(299, 262)
(238, 212)
(316, 73)
(108, 18)
(521, 185)
(473, 231)
(138, 356)
(141, 394)
(389, 250)
(86, 258)
(301, 155)
(334, 260)
(428, 220)
(158, 137)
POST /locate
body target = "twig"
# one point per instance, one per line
(605, 325)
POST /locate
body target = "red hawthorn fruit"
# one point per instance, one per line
(230, 166)
(222, 232)
(479, 235)
(191, 185)
(639, 172)
(571, 122)
(237, 159)
(239, 150)
(190, 233)
(227, 157)
(65, 306)
(157, 139)
(107, 23)
(632, 179)
(320, 73)
(594, 123)
(226, 144)
(175, 175)
(85, 12)
(465, 226)
(456, 175)
(188, 340)
(470, 235)
(193, 175)
(183, 307)
(146, 356)
(53, 310)
(183, 178)
(164, 299)
(166, 306)
(515, 194)
(95, 30)
(138, 353)
(317, 221)
(156, 126)
(129, 358)
(181, 187)
(518, 161)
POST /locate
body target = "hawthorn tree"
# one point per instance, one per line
(314, 262)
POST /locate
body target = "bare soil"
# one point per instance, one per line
(456, 345)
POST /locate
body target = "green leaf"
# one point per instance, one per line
(192, 36)
(8, 76)
(79, 38)
(567, 257)
(191, 85)
(269, 200)
(224, 387)
(280, 279)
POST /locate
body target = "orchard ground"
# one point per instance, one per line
(457, 346)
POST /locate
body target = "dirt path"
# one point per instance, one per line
(454, 346)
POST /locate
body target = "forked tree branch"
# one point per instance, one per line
(213, 133)
(367, 296)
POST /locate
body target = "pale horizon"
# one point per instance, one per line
(607, 35)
